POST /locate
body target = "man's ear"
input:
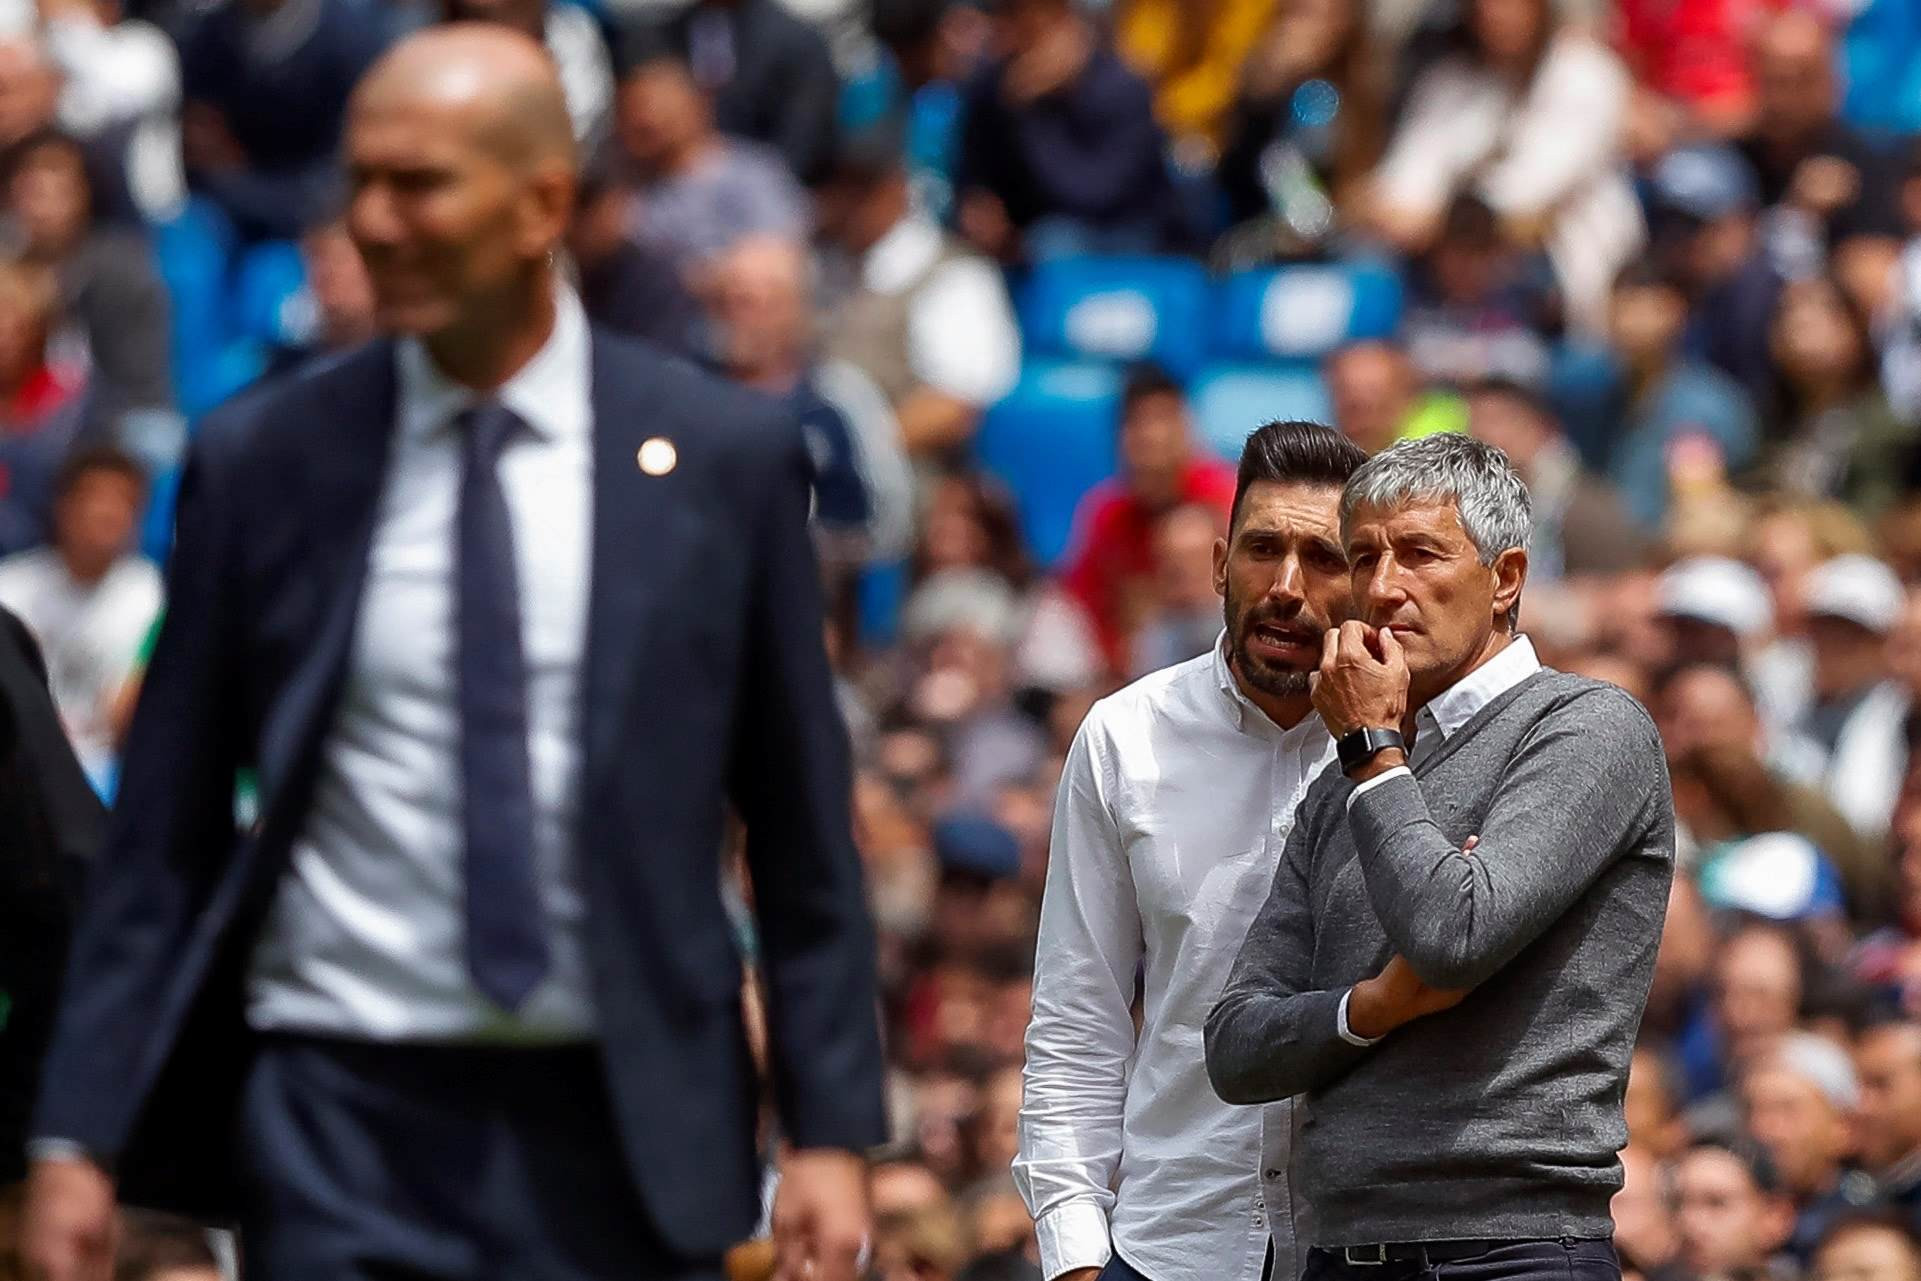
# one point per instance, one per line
(1220, 567)
(1510, 576)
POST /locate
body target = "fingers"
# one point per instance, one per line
(1391, 652)
(1353, 643)
(1330, 650)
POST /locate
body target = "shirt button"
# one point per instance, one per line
(1271, 1175)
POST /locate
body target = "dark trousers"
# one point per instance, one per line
(392, 1163)
(1563, 1260)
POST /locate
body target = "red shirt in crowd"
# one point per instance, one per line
(1111, 568)
(1693, 51)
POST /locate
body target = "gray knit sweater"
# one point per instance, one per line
(1499, 1118)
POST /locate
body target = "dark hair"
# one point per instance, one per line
(1752, 1157)
(1871, 1220)
(1144, 380)
(84, 462)
(1506, 388)
(1646, 273)
(907, 24)
(647, 44)
(152, 1244)
(1291, 452)
(50, 139)
(1666, 679)
(1471, 223)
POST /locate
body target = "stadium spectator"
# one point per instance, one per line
(89, 598)
(1732, 1216)
(1194, 56)
(623, 284)
(1857, 714)
(1800, 1101)
(925, 317)
(1824, 183)
(1110, 569)
(1185, 617)
(1644, 1229)
(1060, 151)
(110, 293)
(863, 489)
(266, 85)
(698, 191)
(1663, 400)
(1580, 526)
(572, 39)
(44, 404)
(120, 92)
(1690, 64)
(1304, 131)
(768, 73)
(1477, 306)
(1760, 980)
(1529, 116)
(1888, 1058)
(1868, 1247)
(341, 294)
(1704, 214)
(1375, 391)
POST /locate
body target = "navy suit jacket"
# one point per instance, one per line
(704, 682)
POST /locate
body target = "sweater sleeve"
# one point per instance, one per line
(1272, 1035)
(1568, 802)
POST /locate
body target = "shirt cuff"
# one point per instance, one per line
(1073, 1235)
(1362, 789)
(1340, 1021)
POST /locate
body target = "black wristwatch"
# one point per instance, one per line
(1358, 747)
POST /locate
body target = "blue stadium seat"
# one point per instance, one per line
(1051, 440)
(1121, 309)
(1232, 400)
(1304, 312)
(270, 300)
(192, 251)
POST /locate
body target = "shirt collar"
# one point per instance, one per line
(908, 249)
(1249, 718)
(537, 392)
(1457, 705)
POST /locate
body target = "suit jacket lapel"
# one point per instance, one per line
(346, 465)
(637, 519)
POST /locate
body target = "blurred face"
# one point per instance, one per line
(28, 90)
(1726, 1223)
(1510, 425)
(903, 1188)
(1643, 1219)
(1184, 557)
(1648, 1109)
(1314, 31)
(1417, 572)
(999, 1126)
(1706, 707)
(1372, 390)
(1868, 1252)
(446, 226)
(1647, 321)
(338, 281)
(1508, 31)
(1888, 1062)
(1904, 645)
(49, 196)
(1285, 581)
(1794, 77)
(1155, 448)
(1022, 24)
(953, 537)
(95, 522)
(1784, 551)
(660, 112)
(1758, 991)
(1814, 337)
(1804, 1133)
(1847, 656)
(760, 305)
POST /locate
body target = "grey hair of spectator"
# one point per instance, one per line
(1476, 477)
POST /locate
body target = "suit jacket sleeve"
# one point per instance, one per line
(791, 782)
(170, 835)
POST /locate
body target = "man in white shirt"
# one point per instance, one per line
(1177, 797)
(89, 599)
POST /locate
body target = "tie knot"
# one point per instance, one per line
(486, 428)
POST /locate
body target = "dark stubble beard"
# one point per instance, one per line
(1276, 682)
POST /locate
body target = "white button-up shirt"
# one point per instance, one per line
(1177, 798)
(366, 935)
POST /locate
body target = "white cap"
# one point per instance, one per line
(1822, 1064)
(1717, 590)
(1858, 588)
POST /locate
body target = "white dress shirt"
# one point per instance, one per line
(1438, 720)
(962, 339)
(1177, 797)
(366, 935)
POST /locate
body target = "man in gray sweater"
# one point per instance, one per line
(1452, 964)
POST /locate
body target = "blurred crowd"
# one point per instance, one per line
(1666, 255)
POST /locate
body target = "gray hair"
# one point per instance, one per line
(1475, 476)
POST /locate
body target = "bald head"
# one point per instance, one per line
(498, 80)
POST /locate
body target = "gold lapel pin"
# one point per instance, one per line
(657, 456)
